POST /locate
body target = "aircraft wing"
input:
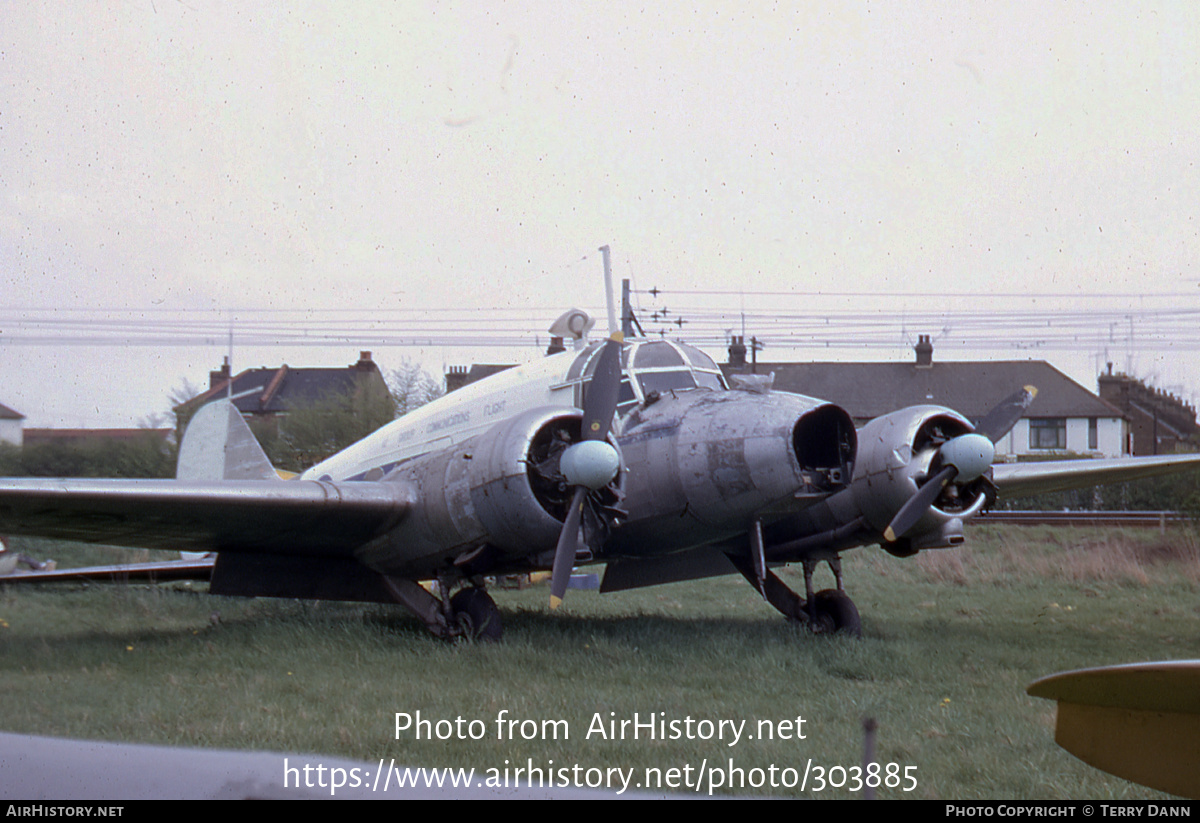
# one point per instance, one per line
(309, 517)
(158, 571)
(1025, 479)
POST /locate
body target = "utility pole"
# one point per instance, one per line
(755, 347)
(626, 310)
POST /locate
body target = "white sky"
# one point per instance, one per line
(168, 154)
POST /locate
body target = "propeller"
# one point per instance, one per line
(592, 463)
(962, 458)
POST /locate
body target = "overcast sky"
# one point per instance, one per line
(189, 154)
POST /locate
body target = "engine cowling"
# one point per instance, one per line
(499, 495)
(894, 459)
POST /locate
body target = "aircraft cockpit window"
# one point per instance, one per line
(665, 365)
(587, 358)
(698, 358)
(663, 381)
(649, 366)
(656, 356)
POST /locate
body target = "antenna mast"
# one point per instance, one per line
(613, 328)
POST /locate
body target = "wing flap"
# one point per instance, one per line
(1025, 479)
(316, 518)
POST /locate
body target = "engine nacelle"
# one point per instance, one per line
(710, 463)
(894, 456)
(500, 491)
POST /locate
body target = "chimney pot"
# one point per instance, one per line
(924, 351)
(737, 350)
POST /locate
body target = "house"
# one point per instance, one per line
(265, 394)
(11, 426)
(1064, 418)
(459, 376)
(1159, 422)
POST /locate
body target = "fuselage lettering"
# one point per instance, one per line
(455, 419)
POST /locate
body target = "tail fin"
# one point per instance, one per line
(218, 445)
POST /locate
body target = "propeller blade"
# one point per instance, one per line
(1000, 420)
(601, 402)
(918, 504)
(564, 553)
(594, 468)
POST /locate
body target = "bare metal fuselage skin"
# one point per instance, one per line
(699, 466)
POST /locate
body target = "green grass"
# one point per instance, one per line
(951, 639)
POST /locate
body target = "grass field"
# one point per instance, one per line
(950, 641)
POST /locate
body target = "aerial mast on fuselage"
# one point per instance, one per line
(613, 329)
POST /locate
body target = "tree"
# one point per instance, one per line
(146, 455)
(310, 433)
(413, 387)
(178, 398)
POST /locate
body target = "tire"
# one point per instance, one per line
(477, 614)
(835, 613)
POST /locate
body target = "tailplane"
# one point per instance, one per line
(218, 445)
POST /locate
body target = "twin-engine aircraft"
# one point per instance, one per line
(636, 454)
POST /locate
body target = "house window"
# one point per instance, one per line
(1093, 434)
(1047, 433)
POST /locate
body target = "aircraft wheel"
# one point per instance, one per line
(835, 613)
(477, 614)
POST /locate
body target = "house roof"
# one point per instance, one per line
(10, 414)
(868, 390)
(274, 390)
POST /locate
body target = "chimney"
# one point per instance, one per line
(924, 349)
(456, 378)
(365, 363)
(737, 351)
(556, 346)
(216, 378)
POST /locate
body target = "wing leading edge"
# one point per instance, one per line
(314, 518)
(1025, 479)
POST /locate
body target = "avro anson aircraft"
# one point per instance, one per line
(632, 453)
